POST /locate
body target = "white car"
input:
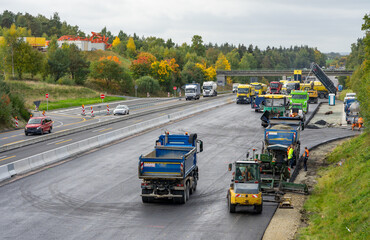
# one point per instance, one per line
(121, 110)
(349, 96)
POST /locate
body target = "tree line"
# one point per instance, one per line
(157, 64)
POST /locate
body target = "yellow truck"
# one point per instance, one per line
(245, 189)
(260, 88)
(321, 89)
(246, 93)
(309, 88)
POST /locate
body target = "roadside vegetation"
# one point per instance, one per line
(339, 207)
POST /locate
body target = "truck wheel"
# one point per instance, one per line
(50, 129)
(146, 199)
(194, 187)
(321, 95)
(316, 100)
(258, 208)
(187, 191)
(326, 95)
(232, 207)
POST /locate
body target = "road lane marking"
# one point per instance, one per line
(14, 142)
(162, 114)
(140, 120)
(84, 120)
(63, 141)
(2, 159)
(97, 130)
(105, 130)
(5, 137)
(55, 141)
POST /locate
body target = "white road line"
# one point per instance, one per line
(55, 141)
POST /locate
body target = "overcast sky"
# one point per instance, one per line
(329, 25)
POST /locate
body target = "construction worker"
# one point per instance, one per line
(290, 156)
(360, 123)
(306, 154)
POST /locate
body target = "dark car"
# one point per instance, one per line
(38, 125)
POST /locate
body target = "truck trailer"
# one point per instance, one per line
(170, 171)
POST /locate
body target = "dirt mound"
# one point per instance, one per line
(281, 127)
(321, 122)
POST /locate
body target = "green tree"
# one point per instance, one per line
(78, 66)
(197, 45)
(22, 58)
(59, 63)
(191, 73)
(107, 70)
(248, 62)
(234, 58)
(147, 84)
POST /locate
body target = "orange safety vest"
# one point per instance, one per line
(360, 120)
(306, 152)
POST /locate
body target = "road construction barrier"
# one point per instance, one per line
(108, 110)
(147, 94)
(180, 94)
(168, 94)
(83, 110)
(16, 121)
(43, 113)
(92, 112)
(4, 173)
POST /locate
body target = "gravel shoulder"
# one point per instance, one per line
(286, 222)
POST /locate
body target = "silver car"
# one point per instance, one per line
(121, 109)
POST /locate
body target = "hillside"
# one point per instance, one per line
(94, 56)
(339, 207)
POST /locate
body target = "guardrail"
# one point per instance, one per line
(49, 157)
(93, 125)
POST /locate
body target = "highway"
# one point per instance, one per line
(71, 118)
(19, 153)
(97, 195)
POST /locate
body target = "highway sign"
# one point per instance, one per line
(102, 96)
(174, 88)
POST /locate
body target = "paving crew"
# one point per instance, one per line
(306, 154)
(290, 156)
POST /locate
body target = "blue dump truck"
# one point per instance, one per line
(170, 171)
(279, 135)
(258, 103)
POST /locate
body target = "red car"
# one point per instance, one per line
(38, 125)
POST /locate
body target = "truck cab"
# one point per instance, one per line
(300, 97)
(260, 88)
(192, 91)
(292, 85)
(209, 89)
(245, 189)
(275, 87)
(245, 93)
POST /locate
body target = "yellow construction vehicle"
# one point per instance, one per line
(260, 88)
(246, 93)
(245, 189)
(309, 88)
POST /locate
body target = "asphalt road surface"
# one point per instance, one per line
(30, 150)
(97, 195)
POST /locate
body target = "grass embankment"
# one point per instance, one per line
(343, 93)
(339, 206)
(60, 96)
